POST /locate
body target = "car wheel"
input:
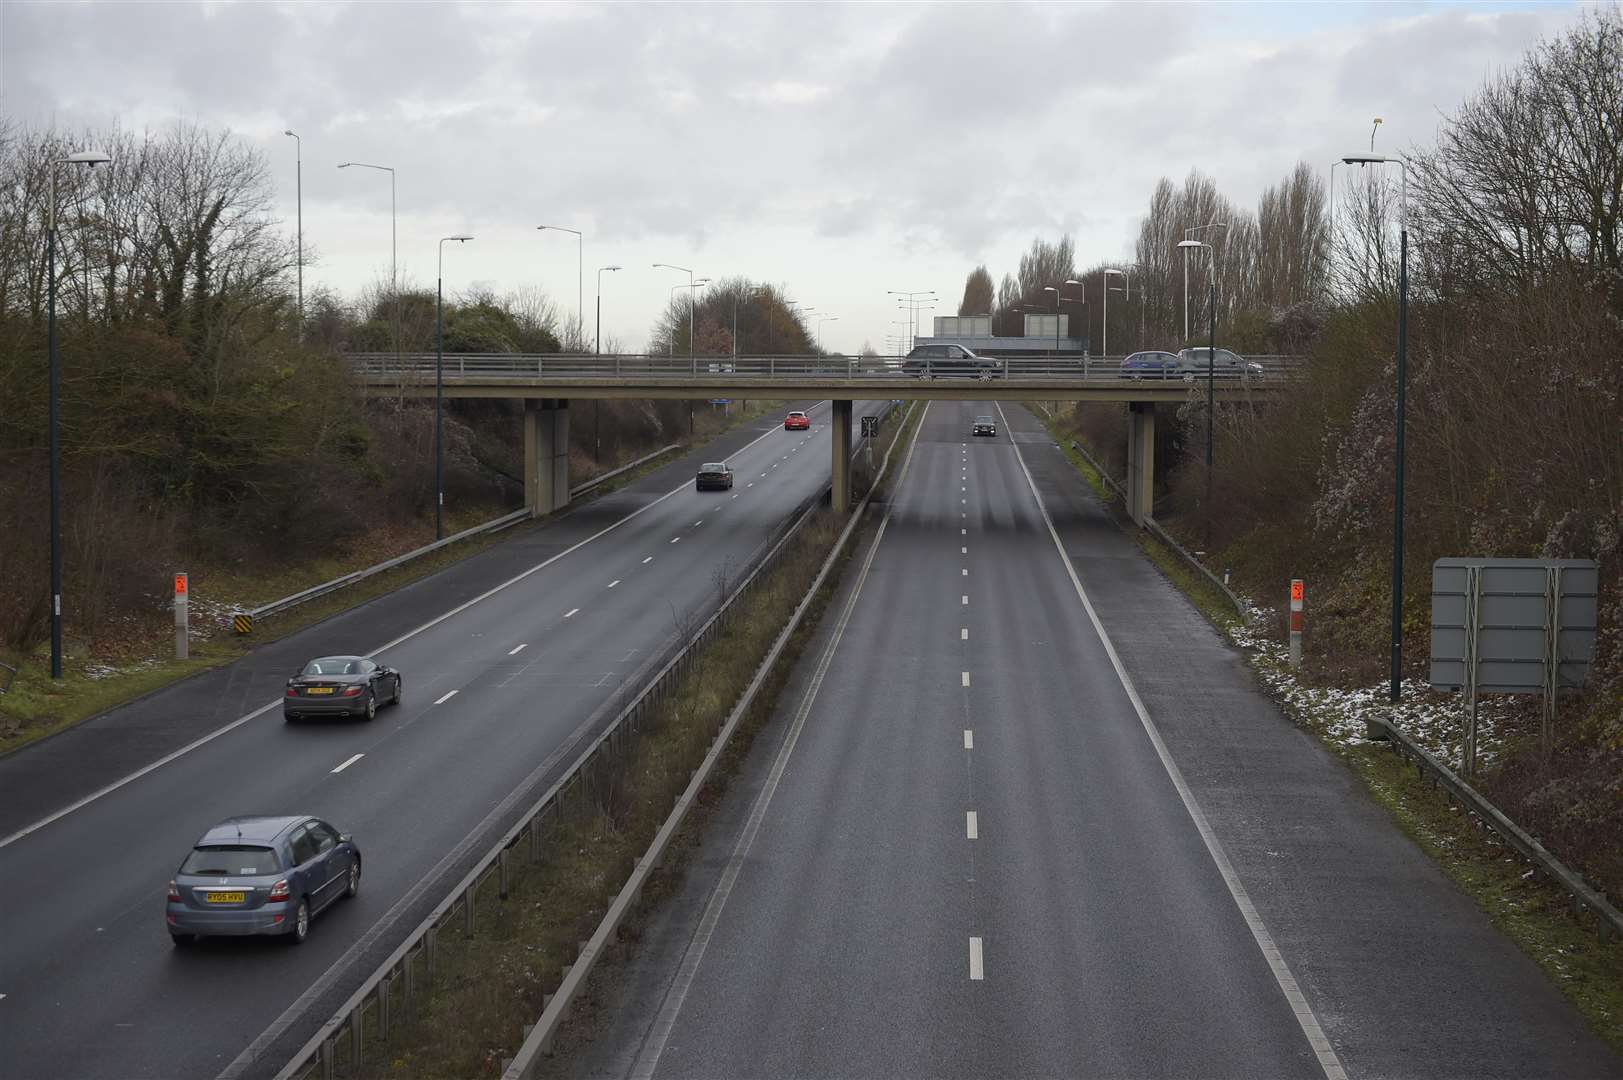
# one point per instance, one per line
(399, 688)
(371, 704)
(301, 924)
(353, 886)
(183, 941)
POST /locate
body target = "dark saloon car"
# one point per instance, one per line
(1151, 365)
(984, 425)
(926, 361)
(341, 686)
(714, 476)
(252, 876)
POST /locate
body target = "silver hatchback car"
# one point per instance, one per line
(261, 876)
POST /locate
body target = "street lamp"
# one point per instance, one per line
(689, 273)
(1057, 299)
(90, 159)
(439, 387)
(298, 189)
(911, 298)
(1186, 246)
(1211, 360)
(1104, 314)
(394, 280)
(597, 349)
(1396, 687)
(821, 319)
(580, 243)
(757, 291)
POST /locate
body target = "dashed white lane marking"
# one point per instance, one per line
(752, 482)
(447, 697)
(1329, 1063)
(348, 763)
(963, 633)
(570, 614)
(696, 524)
(674, 539)
(966, 598)
(963, 500)
(648, 560)
(520, 648)
(735, 496)
(963, 489)
(972, 825)
(963, 551)
(613, 583)
(963, 532)
(977, 969)
(969, 739)
(966, 571)
(763, 477)
(966, 678)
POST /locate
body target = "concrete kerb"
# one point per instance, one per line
(1608, 919)
(319, 1052)
(539, 1039)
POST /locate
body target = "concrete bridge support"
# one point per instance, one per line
(546, 455)
(1141, 461)
(841, 500)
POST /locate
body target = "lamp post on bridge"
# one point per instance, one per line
(1187, 235)
(1104, 314)
(439, 388)
(580, 244)
(821, 319)
(394, 262)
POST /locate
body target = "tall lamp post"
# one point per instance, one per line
(1188, 234)
(1057, 298)
(394, 262)
(1395, 690)
(1211, 360)
(689, 273)
(439, 388)
(90, 159)
(580, 244)
(756, 291)
(1104, 314)
(821, 319)
(298, 189)
(597, 347)
(911, 299)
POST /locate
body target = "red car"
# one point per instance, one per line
(797, 421)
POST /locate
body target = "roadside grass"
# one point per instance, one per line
(1534, 913)
(494, 984)
(37, 706)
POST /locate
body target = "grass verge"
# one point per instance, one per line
(1523, 905)
(37, 705)
(494, 983)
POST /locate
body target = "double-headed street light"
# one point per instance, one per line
(1187, 235)
(689, 273)
(90, 159)
(910, 299)
(298, 196)
(1395, 690)
(597, 348)
(1104, 314)
(439, 388)
(1057, 298)
(394, 264)
(580, 311)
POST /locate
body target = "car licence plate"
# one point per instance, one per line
(226, 897)
(318, 690)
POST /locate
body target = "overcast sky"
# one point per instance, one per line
(838, 150)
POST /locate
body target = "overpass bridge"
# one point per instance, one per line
(548, 382)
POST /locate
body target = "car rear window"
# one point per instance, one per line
(330, 667)
(232, 861)
(712, 466)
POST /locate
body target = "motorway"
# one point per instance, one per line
(509, 659)
(997, 829)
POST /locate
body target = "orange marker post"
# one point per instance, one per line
(1298, 595)
(180, 616)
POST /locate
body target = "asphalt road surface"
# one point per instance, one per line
(966, 848)
(499, 687)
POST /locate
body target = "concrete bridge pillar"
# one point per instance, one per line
(841, 500)
(546, 455)
(1141, 461)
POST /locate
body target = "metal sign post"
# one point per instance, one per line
(1298, 593)
(180, 616)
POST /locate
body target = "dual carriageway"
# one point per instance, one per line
(1031, 819)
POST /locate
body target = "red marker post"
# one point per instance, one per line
(180, 616)
(1298, 595)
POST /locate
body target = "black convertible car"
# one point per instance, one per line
(341, 686)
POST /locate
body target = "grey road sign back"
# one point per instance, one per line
(1513, 609)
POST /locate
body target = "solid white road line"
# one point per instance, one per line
(446, 698)
(676, 993)
(613, 583)
(977, 970)
(966, 678)
(1309, 1023)
(972, 825)
(648, 560)
(969, 739)
(408, 635)
(519, 649)
(348, 763)
(570, 614)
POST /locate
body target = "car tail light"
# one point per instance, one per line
(174, 893)
(351, 691)
(279, 891)
(293, 691)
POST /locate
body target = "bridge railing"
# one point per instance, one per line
(416, 366)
